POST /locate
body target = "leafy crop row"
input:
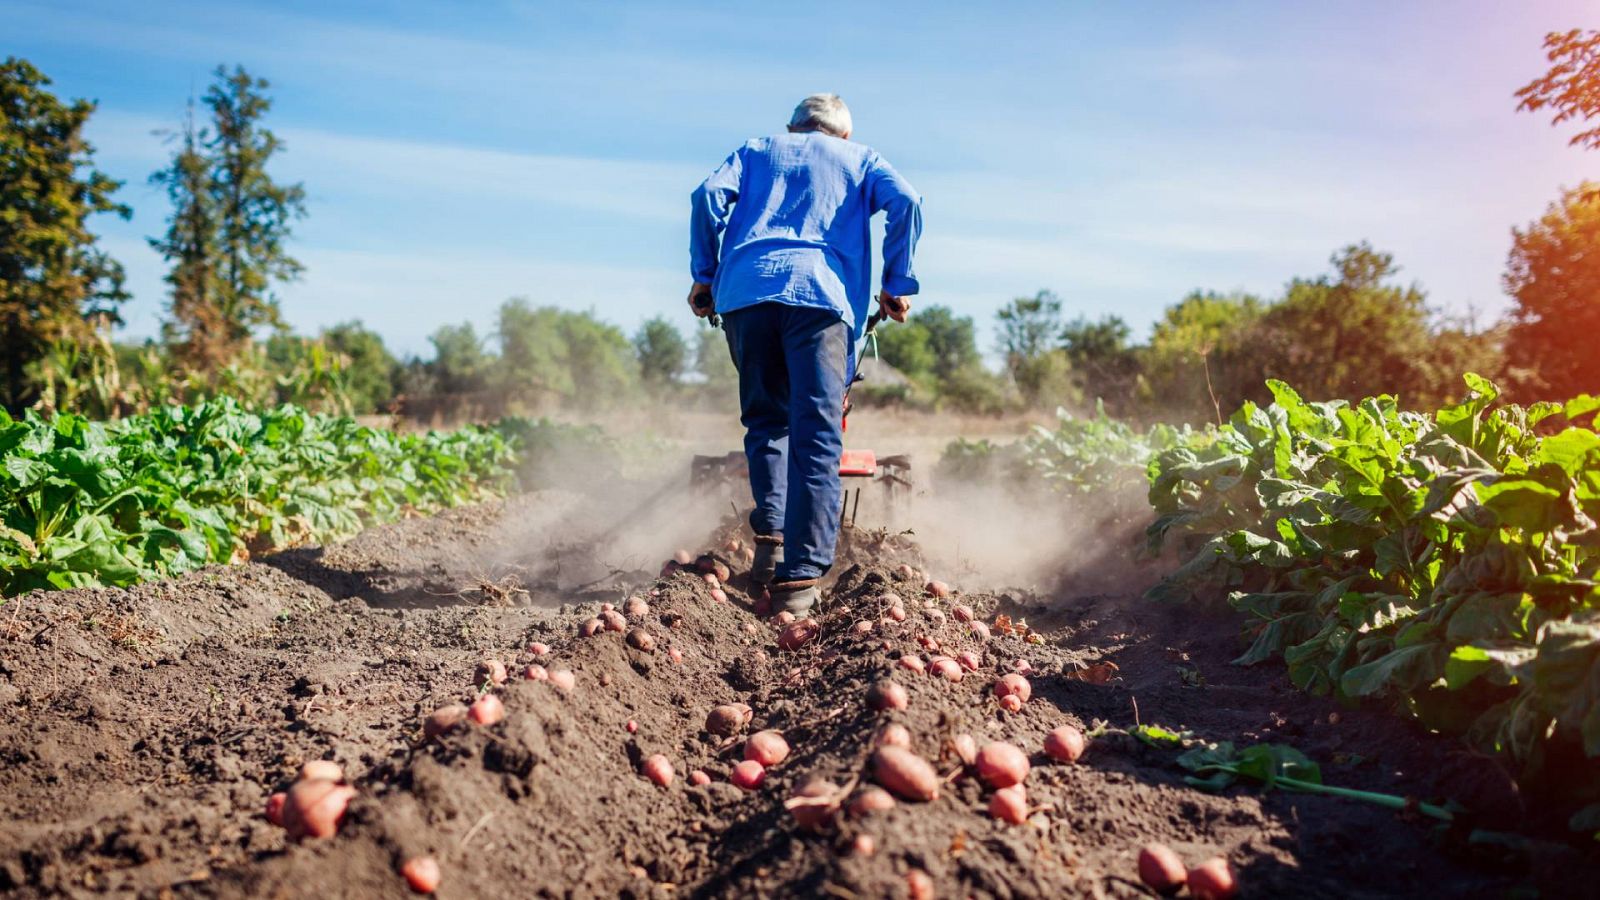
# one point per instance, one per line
(1446, 563)
(86, 503)
(1077, 455)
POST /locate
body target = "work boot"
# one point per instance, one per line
(796, 597)
(769, 552)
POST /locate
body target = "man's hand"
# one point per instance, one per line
(896, 308)
(700, 302)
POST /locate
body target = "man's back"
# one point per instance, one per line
(798, 228)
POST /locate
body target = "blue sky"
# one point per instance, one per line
(459, 153)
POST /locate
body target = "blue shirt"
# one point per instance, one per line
(790, 216)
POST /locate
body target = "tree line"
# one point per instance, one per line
(1351, 331)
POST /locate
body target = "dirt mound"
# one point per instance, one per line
(152, 724)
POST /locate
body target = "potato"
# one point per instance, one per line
(1064, 744)
(315, 808)
(748, 774)
(863, 845)
(486, 710)
(904, 570)
(887, 694)
(966, 748)
(978, 630)
(719, 595)
(897, 613)
(1161, 869)
(871, 800)
(636, 608)
(919, 885)
(1212, 880)
(905, 774)
(937, 589)
(614, 621)
(539, 648)
(274, 811)
(814, 803)
(767, 748)
(1009, 805)
(591, 628)
(489, 672)
(894, 735)
(421, 874)
(699, 778)
(913, 662)
(658, 769)
(535, 672)
(683, 557)
(640, 640)
(863, 627)
(444, 719)
(1012, 683)
(946, 667)
(1011, 703)
(889, 598)
(1001, 764)
(969, 660)
(563, 679)
(728, 719)
(321, 770)
(797, 634)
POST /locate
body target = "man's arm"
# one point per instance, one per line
(708, 215)
(895, 196)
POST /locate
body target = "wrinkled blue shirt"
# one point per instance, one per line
(790, 216)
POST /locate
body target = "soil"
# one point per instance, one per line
(150, 725)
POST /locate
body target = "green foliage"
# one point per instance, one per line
(54, 283)
(938, 351)
(662, 352)
(460, 365)
(1029, 330)
(1098, 455)
(1554, 276)
(87, 503)
(572, 357)
(1446, 563)
(1572, 86)
(714, 365)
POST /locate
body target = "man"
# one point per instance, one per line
(779, 246)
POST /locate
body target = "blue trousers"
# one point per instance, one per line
(794, 363)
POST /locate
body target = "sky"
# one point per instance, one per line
(459, 153)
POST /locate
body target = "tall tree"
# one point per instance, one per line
(1572, 86)
(1554, 277)
(1029, 329)
(662, 352)
(229, 226)
(55, 284)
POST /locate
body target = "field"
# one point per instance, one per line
(151, 722)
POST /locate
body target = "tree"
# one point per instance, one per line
(1185, 344)
(551, 353)
(1554, 276)
(55, 284)
(1347, 335)
(1029, 330)
(460, 365)
(1103, 365)
(714, 364)
(1572, 86)
(370, 368)
(230, 221)
(662, 352)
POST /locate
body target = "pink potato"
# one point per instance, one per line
(887, 694)
(1009, 805)
(767, 748)
(1161, 869)
(535, 672)
(1012, 683)
(748, 774)
(1064, 744)
(563, 679)
(315, 808)
(871, 800)
(913, 662)
(658, 769)
(486, 710)
(905, 774)
(421, 874)
(1001, 764)
(797, 634)
(444, 719)
(1213, 880)
(814, 803)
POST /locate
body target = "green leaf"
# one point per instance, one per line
(1402, 669)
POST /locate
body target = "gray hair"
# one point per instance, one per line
(822, 112)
